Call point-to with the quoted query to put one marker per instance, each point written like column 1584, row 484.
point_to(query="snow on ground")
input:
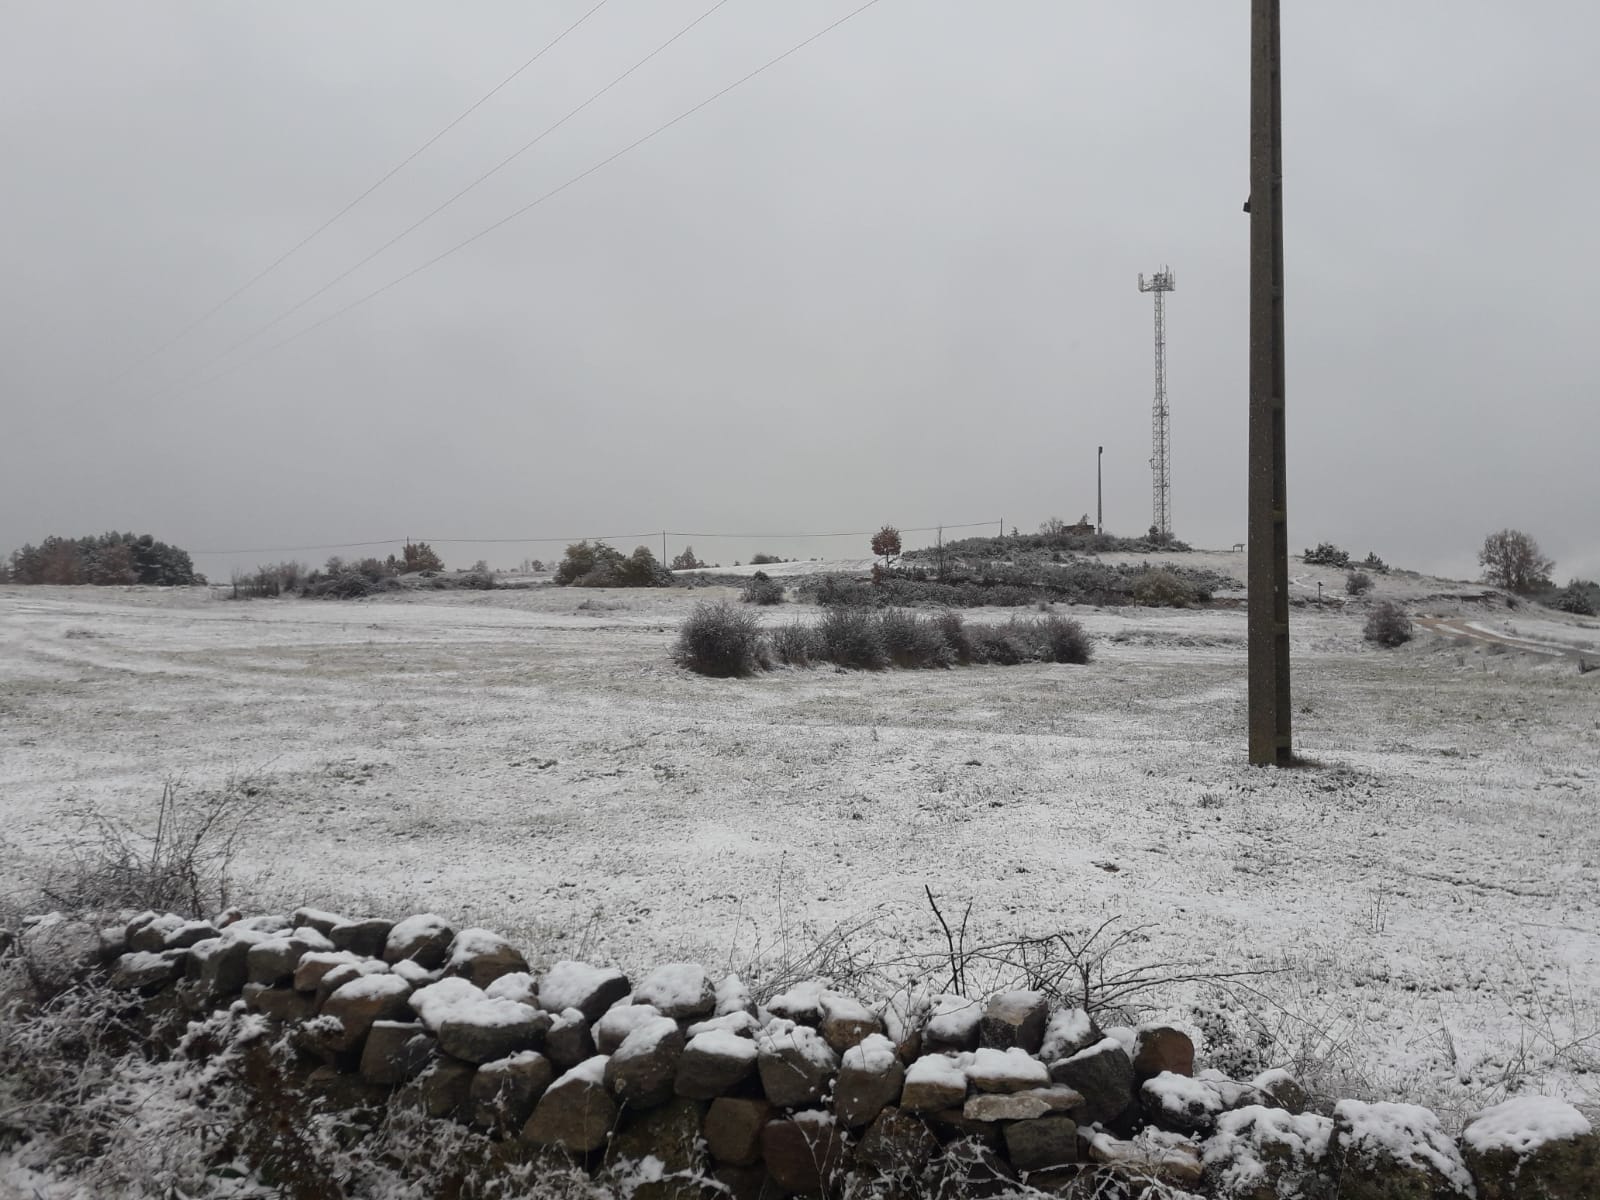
column 1429, row 893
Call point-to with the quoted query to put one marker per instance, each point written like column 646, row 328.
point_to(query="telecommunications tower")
column 1160, row 283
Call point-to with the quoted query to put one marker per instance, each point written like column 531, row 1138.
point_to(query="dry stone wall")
column 813, row 1092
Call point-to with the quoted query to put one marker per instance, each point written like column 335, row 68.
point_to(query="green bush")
column 852, row 636
column 721, row 640
column 1327, row 555
column 595, row 564
column 762, row 589
column 1388, row 625
column 1578, row 597
column 795, row 644
column 1164, row 589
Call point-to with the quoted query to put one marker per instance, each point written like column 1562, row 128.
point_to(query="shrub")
column 640, row 569
column 795, row 644
column 759, row 560
column 995, row 644
column 762, row 589
column 585, row 558
column 953, row 629
column 852, row 636
column 911, row 641
column 1577, row 597
column 720, row 640
column 687, row 561
column 419, row 556
column 1066, row 640
column 1327, row 555
column 598, row 565
column 1163, row 589
column 1373, row 563
column 836, row 589
column 1388, row 625
column 1358, row 583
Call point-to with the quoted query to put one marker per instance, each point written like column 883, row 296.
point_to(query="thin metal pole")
column 1099, row 491
column 1271, row 741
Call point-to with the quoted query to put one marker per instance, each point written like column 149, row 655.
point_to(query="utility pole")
column 1271, row 742
column 1099, row 491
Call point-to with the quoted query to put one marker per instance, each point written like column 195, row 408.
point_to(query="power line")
column 605, row 537
column 532, row 204
column 425, row 218
column 382, row 179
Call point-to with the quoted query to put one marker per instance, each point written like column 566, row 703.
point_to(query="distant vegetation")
column 1012, row 585
column 105, row 559
column 595, row 564
column 722, row 640
column 1512, row 560
column 355, row 579
column 762, row 589
column 1388, row 625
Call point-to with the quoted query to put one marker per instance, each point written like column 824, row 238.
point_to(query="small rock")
column 312, row 968
column 1278, row 1087
column 280, row 1003
column 1533, row 1146
column 803, row 1153
column 679, row 990
column 1069, row 1031
column 492, row 1029
column 1014, row 1019
column 144, row 969
column 504, row 1092
column 357, row 1004
column 741, row 1183
column 590, row 990
column 870, row 1079
column 481, row 957
column 953, row 1023
column 425, row 938
column 734, row 997
column 713, row 1064
column 568, row 1041
column 1261, row 1152
column 1181, row 1104
column 1162, row 1048
column 220, row 965
column 897, row 1144
column 645, row 1067
column 396, row 1052
column 366, row 938
column 148, row 933
column 1021, row 1106
column 576, row 1112
column 801, row 1004
column 1103, row 1075
column 444, row 1089
column 314, row 918
column 1042, row 1143
column 669, row 1133
column 845, row 1022
column 933, row 1083
column 520, row 986
column 273, row 961
column 1379, row 1151
column 796, row 1065
column 733, row 1129
column 1011, row 1070
column 612, row 1029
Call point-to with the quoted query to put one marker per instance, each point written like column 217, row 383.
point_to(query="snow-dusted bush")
column 1358, row 583
column 1163, row 589
column 794, row 645
column 1327, row 555
column 762, row 589
column 1388, row 625
column 720, row 640
column 852, row 636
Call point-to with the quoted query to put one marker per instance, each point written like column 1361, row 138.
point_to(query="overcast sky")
column 891, row 279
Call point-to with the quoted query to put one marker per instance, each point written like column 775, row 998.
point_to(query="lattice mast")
column 1160, row 283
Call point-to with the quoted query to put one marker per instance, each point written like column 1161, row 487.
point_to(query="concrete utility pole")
column 1099, row 491
column 1270, row 736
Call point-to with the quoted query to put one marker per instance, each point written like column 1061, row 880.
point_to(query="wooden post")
column 1271, row 741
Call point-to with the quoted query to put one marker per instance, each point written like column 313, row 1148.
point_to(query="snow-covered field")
column 1428, row 895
